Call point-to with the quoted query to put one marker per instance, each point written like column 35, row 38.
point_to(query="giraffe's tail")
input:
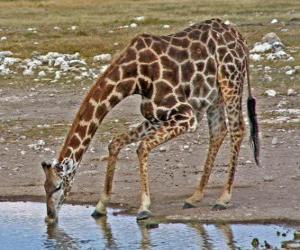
column 254, row 136
column 254, row 130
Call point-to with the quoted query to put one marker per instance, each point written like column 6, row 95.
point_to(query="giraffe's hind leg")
column 167, row 130
column 217, row 132
column 114, row 148
column 232, row 94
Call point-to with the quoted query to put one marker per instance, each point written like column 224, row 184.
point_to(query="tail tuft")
column 254, row 137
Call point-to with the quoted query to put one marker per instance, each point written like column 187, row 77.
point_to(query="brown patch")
column 114, row 100
column 228, row 37
column 159, row 47
column 125, row 87
column 97, row 94
column 169, row 101
column 184, row 43
column 106, row 92
column 67, row 154
column 187, row 71
column 198, row 51
column 228, row 58
column 151, row 71
column 115, row 74
column 200, row 66
column 81, row 130
column 161, row 114
column 147, row 56
column 221, row 53
column 145, row 88
column 147, row 110
column 204, row 37
column 79, row 154
column 187, row 91
column 198, row 80
column 194, row 35
column 210, row 67
column 86, row 142
column 178, row 55
column 74, row 142
column 162, row 89
column 180, row 34
column 129, row 70
column 171, row 77
column 88, row 112
column 180, row 93
column 211, row 46
column 129, row 55
column 140, row 44
column 148, row 41
column 92, row 128
column 101, row 112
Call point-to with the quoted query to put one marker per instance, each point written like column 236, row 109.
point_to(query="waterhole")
column 22, row 226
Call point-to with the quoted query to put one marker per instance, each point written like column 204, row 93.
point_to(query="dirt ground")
column 267, row 193
column 35, row 115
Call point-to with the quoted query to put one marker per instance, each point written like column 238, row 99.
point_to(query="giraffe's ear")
column 45, row 165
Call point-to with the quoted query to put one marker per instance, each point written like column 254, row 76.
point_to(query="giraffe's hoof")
column 97, row 215
column 143, row 215
column 218, row 207
column 187, row 205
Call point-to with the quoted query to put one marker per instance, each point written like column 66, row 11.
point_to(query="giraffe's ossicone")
column 182, row 76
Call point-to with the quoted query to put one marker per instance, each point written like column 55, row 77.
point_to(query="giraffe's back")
column 183, row 67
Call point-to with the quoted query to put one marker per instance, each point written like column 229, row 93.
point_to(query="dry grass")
column 95, row 18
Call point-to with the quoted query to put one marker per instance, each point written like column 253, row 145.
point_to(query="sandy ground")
column 267, row 193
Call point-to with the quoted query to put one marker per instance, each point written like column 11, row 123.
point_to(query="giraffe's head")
column 57, row 186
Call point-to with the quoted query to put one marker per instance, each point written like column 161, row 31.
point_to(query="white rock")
column 4, row 71
column 42, row 74
column 270, row 92
column 291, row 59
column 268, row 78
column 284, row 30
column 290, row 72
column 103, row 68
column 102, row 58
column 274, row 141
column 77, row 78
column 261, row 48
column 57, row 75
column 166, row 26
column 227, row 22
column 268, row 178
column 74, row 27
column 56, row 28
column 28, row 72
column 3, row 38
column 5, row 53
column 23, row 152
column 271, row 38
column 163, row 149
column 274, row 21
column 291, row 92
column 255, row 57
column 133, row 25
column 139, row 18
column 186, row 147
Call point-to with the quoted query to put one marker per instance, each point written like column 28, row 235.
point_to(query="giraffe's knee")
column 114, row 147
column 142, row 150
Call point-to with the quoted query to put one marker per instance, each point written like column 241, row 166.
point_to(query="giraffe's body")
column 180, row 77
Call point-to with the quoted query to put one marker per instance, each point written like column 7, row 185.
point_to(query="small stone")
column 163, row 149
column 274, row 141
column 270, row 92
column 139, row 18
column 23, row 152
column 274, row 21
column 3, row 38
column 271, row 38
column 186, row 147
column 74, row 27
column 166, row 26
column 268, row 179
column 102, row 58
column 290, row 244
column 255, row 57
column 42, row 74
column 296, row 177
column 248, row 162
column 290, row 72
column 291, row 92
column 133, row 25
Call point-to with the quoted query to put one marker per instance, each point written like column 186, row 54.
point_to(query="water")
column 22, row 227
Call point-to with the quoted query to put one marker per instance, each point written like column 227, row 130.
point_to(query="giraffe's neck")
column 107, row 92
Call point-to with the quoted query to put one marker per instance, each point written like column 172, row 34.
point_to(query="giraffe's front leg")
column 114, row 148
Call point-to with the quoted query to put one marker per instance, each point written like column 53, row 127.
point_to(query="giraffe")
column 180, row 77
